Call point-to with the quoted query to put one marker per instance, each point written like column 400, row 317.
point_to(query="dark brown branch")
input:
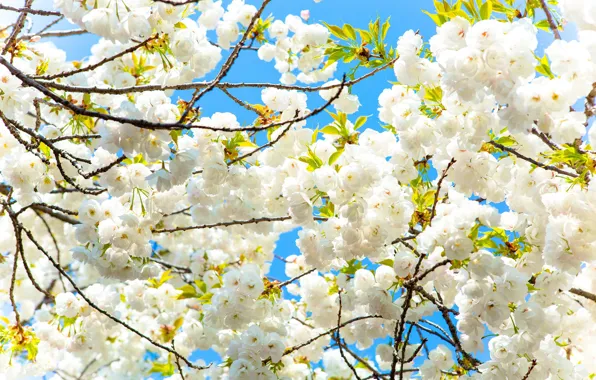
column 338, row 338
column 313, row 113
column 56, row 246
column 551, row 22
column 170, row 265
column 139, row 123
column 8, row 44
column 47, row 294
column 38, row 12
column 228, row 64
column 48, row 26
column 433, row 332
column 360, row 360
column 545, row 139
column 225, row 224
column 425, row 341
column 583, row 293
column 399, row 325
column 434, row 208
column 282, row 284
column 330, row 331
column 55, row 33
column 193, row 85
column 532, row 366
column 438, row 327
column 74, row 137
column 14, row 277
column 590, row 105
column 178, row 363
column 241, row 103
column 177, row 2
column 453, row 331
column 5, row 190
column 98, row 64
column 532, row 161
column 427, row 272
column 402, row 359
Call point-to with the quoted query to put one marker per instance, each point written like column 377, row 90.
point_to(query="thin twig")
column 434, row 208
column 532, row 366
column 38, row 12
column 198, row 85
column 330, row 331
column 282, row 284
column 531, row 160
column 338, row 338
column 100, row 63
column 17, row 28
column 225, row 68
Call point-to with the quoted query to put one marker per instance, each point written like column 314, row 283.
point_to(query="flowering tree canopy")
column 137, row 228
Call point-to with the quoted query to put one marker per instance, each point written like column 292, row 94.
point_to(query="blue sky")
column 405, row 15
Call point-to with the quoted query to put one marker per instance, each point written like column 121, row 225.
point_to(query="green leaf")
column 247, row 144
column 334, row 57
column 165, row 276
column 352, row 267
column 560, row 344
column 66, row 322
column 45, row 150
column 336, row 31
column 188, row 291
column 308, row 160
column 365, row 36
column 206, row 298
column 486, row 10
column 42, row 67
column 335, row 156
column 328, row 210
column 498, row 7
column 473, row 235
column 174, row 135
column 201, row 285
column 313, row 138
column 360, row 122
column 385, row 29
column 349, row 31
column 544, row 67
column 331, row 130
column 506, row 141
column 435, row 17
column 440, row 6
column 543, row 24
column 387, row 262
column 350, row 58
column 375, row 26
column 333, row 289
column 178, row 323
column 389, row 128
column 165, row 369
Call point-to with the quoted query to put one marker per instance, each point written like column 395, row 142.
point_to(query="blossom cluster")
column 140, row 230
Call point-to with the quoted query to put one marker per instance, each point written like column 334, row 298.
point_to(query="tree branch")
column 531, row 160
column 551, row 22
column 583, row 293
